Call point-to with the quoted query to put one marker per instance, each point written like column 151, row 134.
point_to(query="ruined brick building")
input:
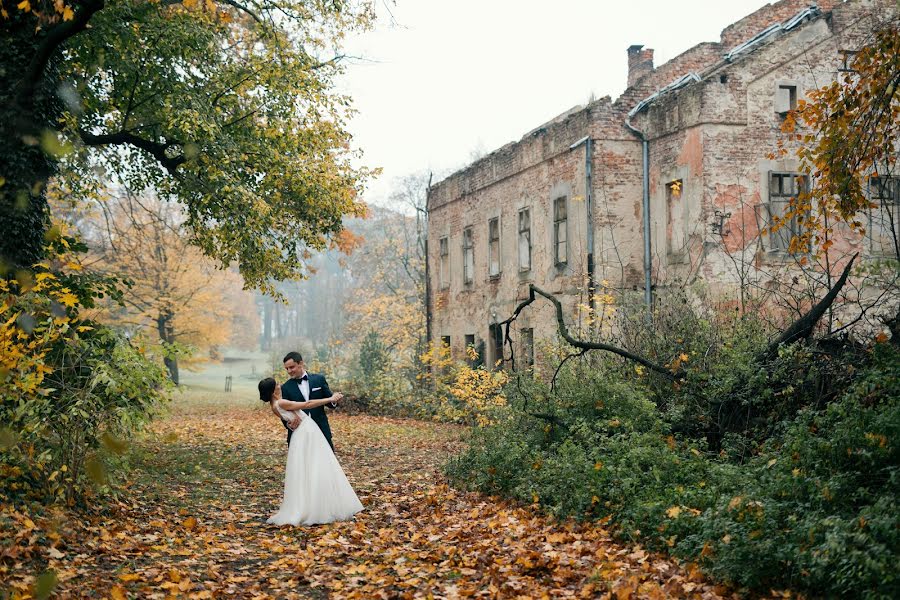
column 668, row 181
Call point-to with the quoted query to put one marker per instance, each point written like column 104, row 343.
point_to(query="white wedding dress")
column 315, row 488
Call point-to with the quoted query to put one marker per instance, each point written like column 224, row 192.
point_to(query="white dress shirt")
column 304, row 386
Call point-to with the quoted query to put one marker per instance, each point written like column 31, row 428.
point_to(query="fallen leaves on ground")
column 191, row 524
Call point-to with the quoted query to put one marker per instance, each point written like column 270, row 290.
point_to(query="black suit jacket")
column 318, row 389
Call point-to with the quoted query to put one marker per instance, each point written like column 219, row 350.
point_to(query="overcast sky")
column 444, row 80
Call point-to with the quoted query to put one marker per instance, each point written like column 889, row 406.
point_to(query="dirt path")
column 192, row 524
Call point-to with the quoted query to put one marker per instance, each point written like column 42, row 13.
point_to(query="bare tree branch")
column 155, row 149
column 585, row 345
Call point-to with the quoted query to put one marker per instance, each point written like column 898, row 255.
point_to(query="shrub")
column 71, row 389
column 811, row 503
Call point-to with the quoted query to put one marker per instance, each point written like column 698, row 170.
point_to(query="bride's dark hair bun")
column 266, row 389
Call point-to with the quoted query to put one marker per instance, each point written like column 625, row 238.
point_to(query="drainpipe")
column 648, row 263
column 589, row 203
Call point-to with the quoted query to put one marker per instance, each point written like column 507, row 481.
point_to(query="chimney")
column 640, row 62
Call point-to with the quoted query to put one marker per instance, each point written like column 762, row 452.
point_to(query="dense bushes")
column 71, row 389
column 801, row 494
column 435, row 387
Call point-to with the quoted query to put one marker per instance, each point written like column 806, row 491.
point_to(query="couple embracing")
column 315, row 488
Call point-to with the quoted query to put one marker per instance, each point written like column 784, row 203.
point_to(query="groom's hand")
column 295, row 422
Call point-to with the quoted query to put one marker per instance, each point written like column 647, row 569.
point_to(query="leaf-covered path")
column 192, row 524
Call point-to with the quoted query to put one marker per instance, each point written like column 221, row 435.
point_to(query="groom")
column 303, row 387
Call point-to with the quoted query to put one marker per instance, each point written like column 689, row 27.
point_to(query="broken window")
column 884, row 219
column 496, row 335
column 528, row 347
column 494, row 247
column 783, row 187
column 471, row 351
column 468, row 256
column 444, row 263
column 560, row 223
column 525, row 239
column 676, row 241
column 847, row 58
column 445, row 344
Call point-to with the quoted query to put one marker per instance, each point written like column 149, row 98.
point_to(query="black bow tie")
column 304, row 378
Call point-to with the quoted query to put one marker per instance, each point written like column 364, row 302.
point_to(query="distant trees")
column 175, row 293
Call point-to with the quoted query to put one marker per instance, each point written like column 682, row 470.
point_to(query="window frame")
column 893, row 213
column 470, row 343
column 675, row 254
column 494, row 261
column 468, row 252
column 526, row 233
column 527, row 334
column 495, row 334
column 774, row 238
column 444, row 263
column 560, row 223
column 784, row 105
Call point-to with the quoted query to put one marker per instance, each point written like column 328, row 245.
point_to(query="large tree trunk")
column 30, row 108
column 25, row 121
column 166, row 330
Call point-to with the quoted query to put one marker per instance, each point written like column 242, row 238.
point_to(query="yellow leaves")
column 673, row 512
column 878, row 439
column 598, row 465
column 416, row 537
column 68, row 13
column 117, row 592
column 675, row 188
column 24, row 6
column 67, row 299
column 190, row 523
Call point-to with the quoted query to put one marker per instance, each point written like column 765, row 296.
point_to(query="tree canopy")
column 846, row 138
column 228, row 108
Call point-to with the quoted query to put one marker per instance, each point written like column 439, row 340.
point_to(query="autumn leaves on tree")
column 227, row 109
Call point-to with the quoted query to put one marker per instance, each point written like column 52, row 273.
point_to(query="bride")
column 315, row 488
